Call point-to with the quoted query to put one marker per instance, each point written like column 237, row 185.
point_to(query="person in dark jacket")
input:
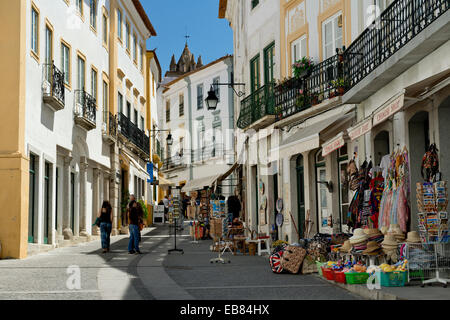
column 133, row 218
column 234, row 206
column 105, row 216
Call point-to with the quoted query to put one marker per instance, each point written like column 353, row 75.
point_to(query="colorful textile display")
column 394, row 206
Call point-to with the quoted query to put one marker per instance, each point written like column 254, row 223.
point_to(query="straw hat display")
column 347, row 246
column 359, row 236
column 384, row 230
column 373, row 232
column 413, row 237
column 394, row 230
column 389, row 242
column 373, row 248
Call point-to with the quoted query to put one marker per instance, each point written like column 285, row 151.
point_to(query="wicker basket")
column 309, row 265
column 293, row 258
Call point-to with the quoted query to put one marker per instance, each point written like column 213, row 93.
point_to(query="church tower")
column 186, row 63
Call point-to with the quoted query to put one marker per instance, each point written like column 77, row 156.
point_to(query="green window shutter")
column 269, row 53
column 254, row 74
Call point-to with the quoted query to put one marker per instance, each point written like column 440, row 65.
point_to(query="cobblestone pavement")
column 155, row 274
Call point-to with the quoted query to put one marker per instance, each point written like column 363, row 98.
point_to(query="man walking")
column 166, row 207
column 133, row 218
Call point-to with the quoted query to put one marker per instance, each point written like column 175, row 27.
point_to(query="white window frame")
column 298, row 42
column 333, row 35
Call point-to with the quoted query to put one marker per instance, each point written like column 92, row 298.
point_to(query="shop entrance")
column 32, row 199
column 256, row 201
column 47, row 200
column 322, row 191
column 444, row 133
column 72, row 202
column 381, row 146
column 344, row 197
column 419, row 141
column 300, row 194
column 275, row 198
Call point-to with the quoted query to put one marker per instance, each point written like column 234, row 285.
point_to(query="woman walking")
column 105, row 216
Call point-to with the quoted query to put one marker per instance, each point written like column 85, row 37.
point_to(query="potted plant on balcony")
column 339, row 86
column 303, row 100
column 303, row 67
column 281, row 84
column 315, row 99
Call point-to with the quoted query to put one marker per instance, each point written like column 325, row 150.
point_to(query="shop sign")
column 360, row 129
column 332, row 145
column 390, row 109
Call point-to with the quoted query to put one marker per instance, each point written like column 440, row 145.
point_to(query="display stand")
column 175, row 237
column 221, row 252
column 194, row 224
column 176, row 215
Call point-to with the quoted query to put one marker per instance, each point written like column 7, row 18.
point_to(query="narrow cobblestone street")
column 155, row 274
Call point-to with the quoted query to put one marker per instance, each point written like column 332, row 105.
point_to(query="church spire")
column 173, row 64
column 199, row 62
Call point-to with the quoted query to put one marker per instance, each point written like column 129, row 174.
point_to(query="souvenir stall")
column 391, row 253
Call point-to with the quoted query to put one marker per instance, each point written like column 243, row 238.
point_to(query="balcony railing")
column 134, row 134
column 396, row 26
column 110, row 125
column 53, row 86
column 256, row 106
column 208, row 152
column 85, row 110
column 174, row 162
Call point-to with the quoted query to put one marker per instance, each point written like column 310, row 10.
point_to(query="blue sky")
column 211, row 37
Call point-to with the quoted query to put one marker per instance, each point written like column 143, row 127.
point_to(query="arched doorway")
column 381, row 146
column 419, row 141
column 300, row 193
column 444, row 135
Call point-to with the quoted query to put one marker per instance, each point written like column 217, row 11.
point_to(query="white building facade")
column 71, row 131
column 203, row 140
column 300, row 149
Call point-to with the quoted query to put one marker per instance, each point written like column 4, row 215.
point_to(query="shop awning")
column 333, row 144
column 164, row 183
column 134, row 163
column 200, row 184
column 308, row 138
column 229, row 172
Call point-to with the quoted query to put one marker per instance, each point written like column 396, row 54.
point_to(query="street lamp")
column 212, row 99
column 169, row 140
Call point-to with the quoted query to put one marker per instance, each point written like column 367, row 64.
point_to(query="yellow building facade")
column 105, row 80
column 13, row 161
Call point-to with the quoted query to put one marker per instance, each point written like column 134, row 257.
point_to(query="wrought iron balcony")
column 321, row 83
column 208, row 152
column 396, row 27
column 135, row 135
column 175, row 162
column 109, row 128
column 85, row 110
column 258, row 107
column 53, row 90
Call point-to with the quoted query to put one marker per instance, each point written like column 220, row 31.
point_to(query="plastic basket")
column 356, row 277
column 328, row 273
column 340, row 277
column 319, row 267
column 393, row 279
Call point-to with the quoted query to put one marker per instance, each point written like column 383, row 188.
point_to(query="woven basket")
column 293, row 258
column 309, row 265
